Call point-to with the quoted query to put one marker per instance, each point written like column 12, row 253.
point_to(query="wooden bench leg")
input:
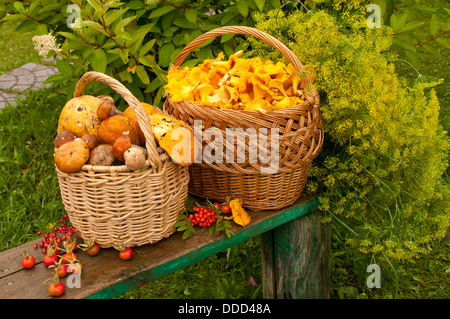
column 296, row 260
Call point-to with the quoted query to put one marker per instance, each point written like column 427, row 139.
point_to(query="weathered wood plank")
column 296, row 260
column 106, row 276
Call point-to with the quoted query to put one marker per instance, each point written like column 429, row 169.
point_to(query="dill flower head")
column 45, row 43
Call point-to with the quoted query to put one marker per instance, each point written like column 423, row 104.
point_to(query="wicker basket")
column 300, row 139
column 111, row 204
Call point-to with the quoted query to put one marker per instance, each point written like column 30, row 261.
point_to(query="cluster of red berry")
column 59, row 234
column 202, row 216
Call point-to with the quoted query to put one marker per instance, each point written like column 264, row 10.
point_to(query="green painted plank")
column 219, row 245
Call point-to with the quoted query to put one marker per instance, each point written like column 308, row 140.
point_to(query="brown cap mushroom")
column 107, row 109
column 102, row 155
column 90, row 140
column 63, row 137
column 71, row 156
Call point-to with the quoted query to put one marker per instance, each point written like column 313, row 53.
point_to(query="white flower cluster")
column 45, row 43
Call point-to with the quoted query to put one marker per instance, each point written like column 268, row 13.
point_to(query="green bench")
column 295, row 252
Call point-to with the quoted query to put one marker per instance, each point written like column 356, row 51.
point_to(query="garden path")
column 17, row 82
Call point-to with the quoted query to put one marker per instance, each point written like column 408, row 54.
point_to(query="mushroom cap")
column 135, row 158
column 79, row 115
column 114, row 126
column 71, row 156
column 102, row 155
column 129, row 113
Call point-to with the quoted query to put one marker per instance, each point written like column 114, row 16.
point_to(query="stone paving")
column 18, row 81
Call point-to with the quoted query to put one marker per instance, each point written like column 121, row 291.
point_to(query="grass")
column 30, row 201
column 29, row 193
column 15, row 50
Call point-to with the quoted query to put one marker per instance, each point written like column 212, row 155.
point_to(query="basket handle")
column 287, row 53
column 133, row 102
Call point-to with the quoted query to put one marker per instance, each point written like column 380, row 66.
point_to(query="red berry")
column 28, row 261
column 39, row 233
column 126, row 254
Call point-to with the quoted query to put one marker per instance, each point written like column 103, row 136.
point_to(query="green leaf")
column 136, row 91
column 98, row 61
column 27, row 25
column 182, row 222
column 69, row 35
column 147, row 47
column 407, row 45
column 139, row 35
column 191, row 15
column 13, row 17
column 125, row 76
column 435, row 24
column 398, row 21
column 135, row 4
column 423, row 7
column 64, row 67
column 19, row 7
column 435, row 53
column 164, row 54
column 156, row 83
column 260, row 4
column 123, row 23
column 41, row 29
column 113, row 15
column 413, row 57
column 186, row 234
column 142, row 74
column 182, row 22
column 411, row 26
column 161, row 11
column 94, row 4
column 443, row 42
column 242, row 7
column 226, row 37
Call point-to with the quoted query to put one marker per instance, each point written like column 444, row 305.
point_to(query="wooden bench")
column 295, row 259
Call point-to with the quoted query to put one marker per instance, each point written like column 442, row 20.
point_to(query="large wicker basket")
column 113, row 205
column 300, row 139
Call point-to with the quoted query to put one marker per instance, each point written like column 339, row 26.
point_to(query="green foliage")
column 134, row 41
column 381, row 171
column 415, row 24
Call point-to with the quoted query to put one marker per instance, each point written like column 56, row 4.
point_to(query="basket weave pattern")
column 300, row 139
column 111, row 204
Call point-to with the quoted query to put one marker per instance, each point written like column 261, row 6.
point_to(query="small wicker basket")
column 300, row 139
column 111, row 204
